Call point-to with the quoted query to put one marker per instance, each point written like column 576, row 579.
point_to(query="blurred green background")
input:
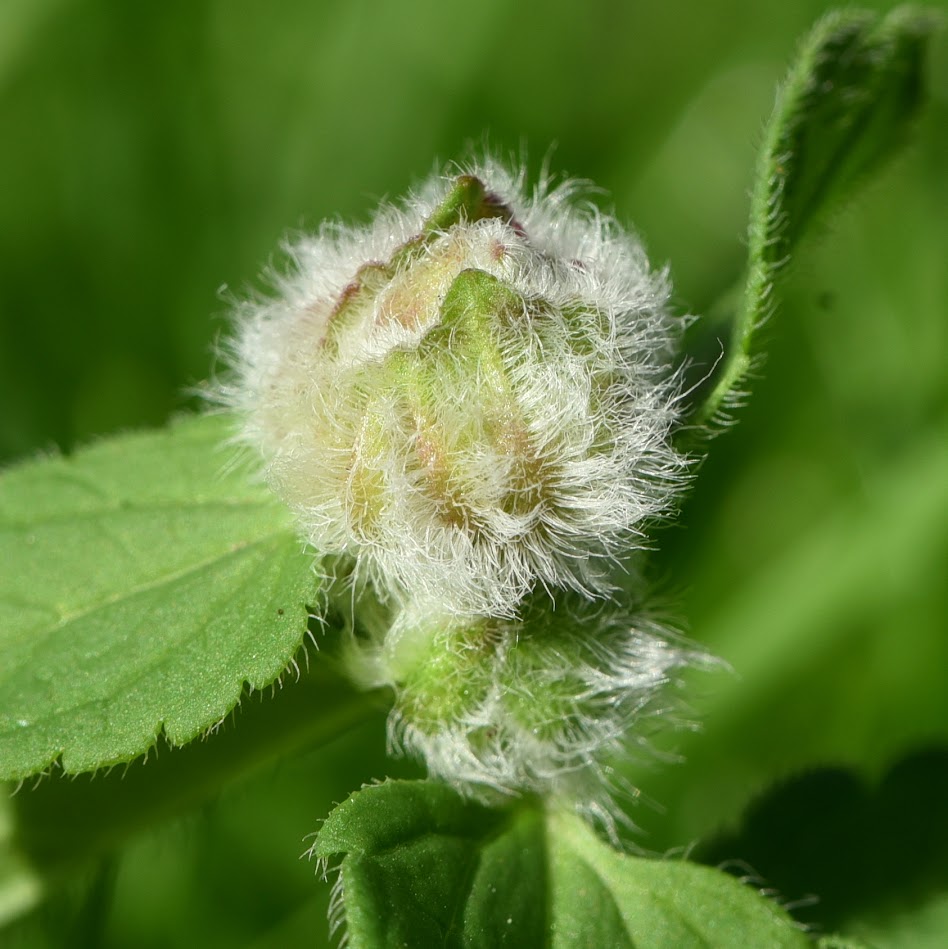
column 155, row 154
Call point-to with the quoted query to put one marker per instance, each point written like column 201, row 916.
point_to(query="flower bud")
column 538, row 704
column 470, row 397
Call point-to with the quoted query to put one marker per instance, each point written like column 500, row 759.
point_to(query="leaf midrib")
column 165, row 579
column 127, row 682
column 35, row 524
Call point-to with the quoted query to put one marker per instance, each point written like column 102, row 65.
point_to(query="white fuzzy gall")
column 471, row 397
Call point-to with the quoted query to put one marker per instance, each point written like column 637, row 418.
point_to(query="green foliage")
column 855, row 86
column 158, row 150
column 423, row 867
column 147, row 580
column 830, row 832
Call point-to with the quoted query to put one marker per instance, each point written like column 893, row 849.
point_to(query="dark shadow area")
column 856, row 848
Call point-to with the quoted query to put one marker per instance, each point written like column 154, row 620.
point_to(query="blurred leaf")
column 21, row 887
column 842, row 110
column 146, row 580
column 830, row 834
column 20, row 21
column 422, row 866
column 922, row 926
column 822, row 633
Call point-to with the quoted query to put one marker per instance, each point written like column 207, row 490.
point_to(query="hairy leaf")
column 843, row 109
column 422, row 866
column 146, row 579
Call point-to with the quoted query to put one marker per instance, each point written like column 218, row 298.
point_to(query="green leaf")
column 423, row 866
column 146, row 580
column 51, row 833
column 843, row 109
column 60, row 822
column 831, row 832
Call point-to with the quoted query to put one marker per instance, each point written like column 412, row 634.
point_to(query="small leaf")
column 422, row 866
column 843, row 109
column 145, row 580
